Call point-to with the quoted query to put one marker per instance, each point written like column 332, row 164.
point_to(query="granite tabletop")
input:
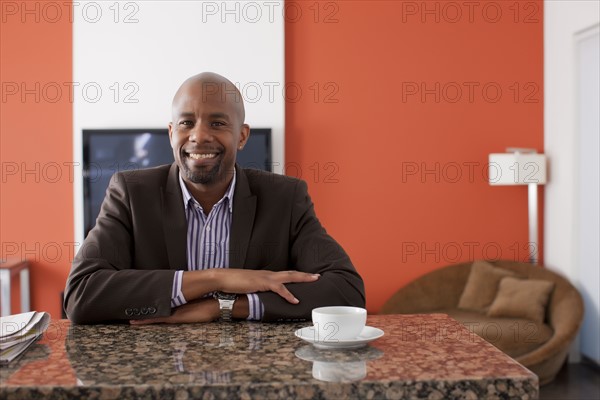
column 419, row 357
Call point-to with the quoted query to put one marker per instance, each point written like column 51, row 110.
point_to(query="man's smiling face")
column 206, row 131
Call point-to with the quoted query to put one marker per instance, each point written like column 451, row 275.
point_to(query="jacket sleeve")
column 103, row 284
column 313, row 250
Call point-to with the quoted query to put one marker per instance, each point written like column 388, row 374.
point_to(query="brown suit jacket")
column 125, row 267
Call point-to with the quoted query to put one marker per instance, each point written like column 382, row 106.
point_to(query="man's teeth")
column 201, row 156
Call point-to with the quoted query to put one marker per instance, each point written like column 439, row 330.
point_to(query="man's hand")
column 232, row 280
column 251, row 281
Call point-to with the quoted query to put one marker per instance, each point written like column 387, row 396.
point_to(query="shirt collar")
column 187, row 196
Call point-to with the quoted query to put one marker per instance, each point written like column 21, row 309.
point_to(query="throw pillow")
column 522, row 298
column 482, row 286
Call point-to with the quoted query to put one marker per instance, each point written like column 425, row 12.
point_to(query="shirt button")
column 208, row 228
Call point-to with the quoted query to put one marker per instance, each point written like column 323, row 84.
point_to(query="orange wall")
column 396, row 220
column 36, row 213
column 355, row 131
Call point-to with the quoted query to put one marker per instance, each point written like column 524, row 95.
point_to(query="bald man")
column 203, row 239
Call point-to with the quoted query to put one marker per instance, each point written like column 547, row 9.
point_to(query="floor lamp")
column 521, row 167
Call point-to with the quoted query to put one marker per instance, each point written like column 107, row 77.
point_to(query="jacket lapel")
column 174, row 221
column 244, row 210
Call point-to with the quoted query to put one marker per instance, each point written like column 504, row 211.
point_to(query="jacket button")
column 129, row 312
column 152, row 310
column 136, row 311
column 144, row 311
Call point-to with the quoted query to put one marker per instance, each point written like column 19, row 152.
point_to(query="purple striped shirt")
column 208, row 242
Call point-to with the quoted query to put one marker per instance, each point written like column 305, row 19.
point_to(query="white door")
column 571, row 145
column 588, row 157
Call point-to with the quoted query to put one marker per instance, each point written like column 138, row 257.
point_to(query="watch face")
column 226, row 296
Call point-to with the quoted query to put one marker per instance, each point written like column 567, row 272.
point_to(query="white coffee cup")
column 338, row 323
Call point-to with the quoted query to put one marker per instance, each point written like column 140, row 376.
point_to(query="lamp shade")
column 517, row 168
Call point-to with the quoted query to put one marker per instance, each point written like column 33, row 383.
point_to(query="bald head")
column 210, row 86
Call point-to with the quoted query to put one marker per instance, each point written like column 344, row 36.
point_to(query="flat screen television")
column 107, row 151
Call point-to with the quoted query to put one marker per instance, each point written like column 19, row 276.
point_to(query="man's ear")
column 170, row 126
column 244, row 136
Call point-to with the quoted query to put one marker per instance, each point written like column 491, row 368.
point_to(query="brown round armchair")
column 542, row 346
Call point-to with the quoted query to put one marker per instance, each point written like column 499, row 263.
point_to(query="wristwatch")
column 226, row 301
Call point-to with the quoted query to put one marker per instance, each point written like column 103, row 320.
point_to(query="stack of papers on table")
column 19, row 331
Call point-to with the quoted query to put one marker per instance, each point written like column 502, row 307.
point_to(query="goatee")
column 202, row 177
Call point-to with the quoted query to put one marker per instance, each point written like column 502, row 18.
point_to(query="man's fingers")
column 291, row 277
column 286, row 294
column 296, row 276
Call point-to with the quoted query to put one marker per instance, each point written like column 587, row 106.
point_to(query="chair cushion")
column 482, row 286
column 514, row 336
column 521, row 298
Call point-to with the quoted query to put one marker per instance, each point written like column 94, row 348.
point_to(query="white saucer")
column 367, row 335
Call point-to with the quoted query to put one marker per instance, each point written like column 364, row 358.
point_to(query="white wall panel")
column 587, row 232
column 130, row 57
column 563, row 21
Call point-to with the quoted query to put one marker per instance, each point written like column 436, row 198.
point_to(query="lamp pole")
column 533, row 222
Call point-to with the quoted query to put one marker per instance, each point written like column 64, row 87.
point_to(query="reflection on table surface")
column 335, row 365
